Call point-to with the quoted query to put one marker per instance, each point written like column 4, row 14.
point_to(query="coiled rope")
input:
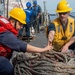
column 47, row 63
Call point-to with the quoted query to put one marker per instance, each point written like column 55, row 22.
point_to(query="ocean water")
column 72, row 14
column 53, row 16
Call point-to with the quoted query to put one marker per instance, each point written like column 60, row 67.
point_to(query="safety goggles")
column 64, row 13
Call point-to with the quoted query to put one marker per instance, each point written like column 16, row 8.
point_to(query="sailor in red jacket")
column 9, row 42
column 6, row 26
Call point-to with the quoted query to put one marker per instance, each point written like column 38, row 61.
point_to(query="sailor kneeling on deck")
column 62, row 29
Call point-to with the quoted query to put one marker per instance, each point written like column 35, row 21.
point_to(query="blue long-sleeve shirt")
column 10, row 40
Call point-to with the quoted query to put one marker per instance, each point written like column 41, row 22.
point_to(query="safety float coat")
column 62, row 37
column 4, row 26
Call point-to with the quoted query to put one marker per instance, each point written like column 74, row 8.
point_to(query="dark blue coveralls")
column 29, row 13
column 36, row 10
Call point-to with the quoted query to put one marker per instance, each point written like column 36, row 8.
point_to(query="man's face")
column 34, row 4
column 63, row 16
column 28, row 6
column 18, row 25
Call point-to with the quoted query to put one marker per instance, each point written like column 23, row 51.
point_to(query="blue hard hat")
column 28, row 4
column 35, row 2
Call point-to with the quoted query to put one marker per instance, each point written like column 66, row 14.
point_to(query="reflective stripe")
column 70, row 27
column 58, row 29
column 4, row 20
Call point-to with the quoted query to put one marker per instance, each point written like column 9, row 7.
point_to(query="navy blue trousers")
column 6, row 67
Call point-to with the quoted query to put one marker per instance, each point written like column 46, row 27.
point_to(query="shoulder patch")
column 4, row 20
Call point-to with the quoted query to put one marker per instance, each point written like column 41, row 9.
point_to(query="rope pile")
column 47, row 63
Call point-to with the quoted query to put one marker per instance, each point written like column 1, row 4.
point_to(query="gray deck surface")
column 40, row 40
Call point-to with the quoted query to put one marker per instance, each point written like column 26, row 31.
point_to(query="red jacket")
column 4, row 26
